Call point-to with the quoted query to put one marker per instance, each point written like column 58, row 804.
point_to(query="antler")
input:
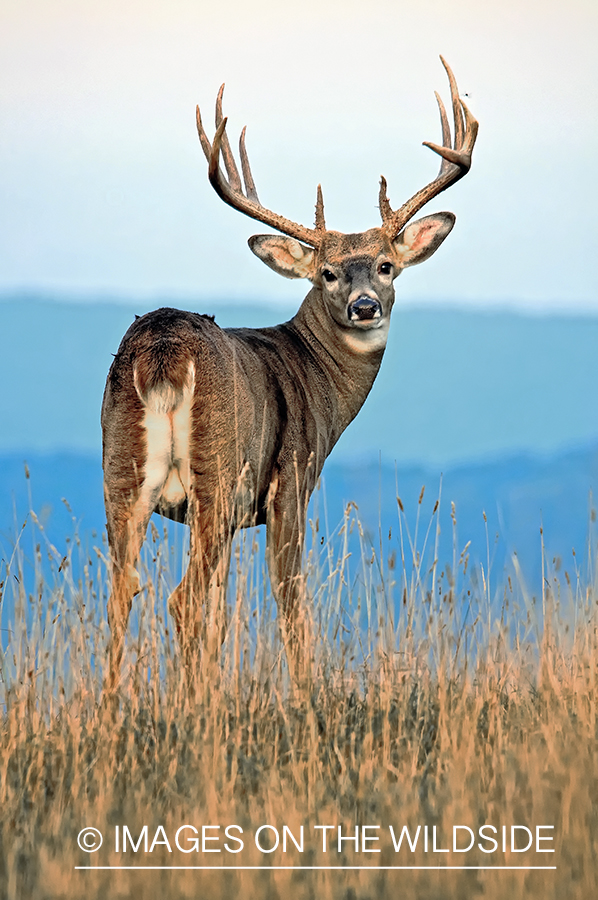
column 456, row 161
column 231, row 191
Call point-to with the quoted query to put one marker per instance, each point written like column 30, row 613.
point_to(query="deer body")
column 227, row 428
column 251, row 400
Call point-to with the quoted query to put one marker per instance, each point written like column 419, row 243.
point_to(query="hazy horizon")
column 281, row 306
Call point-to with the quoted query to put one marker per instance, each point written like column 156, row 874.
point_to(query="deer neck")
column 350, row 364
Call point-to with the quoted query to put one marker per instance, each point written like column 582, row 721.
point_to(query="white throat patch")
column 367, row 339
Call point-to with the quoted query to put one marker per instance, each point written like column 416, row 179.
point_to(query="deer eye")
column 385, row 268
column 328, row 276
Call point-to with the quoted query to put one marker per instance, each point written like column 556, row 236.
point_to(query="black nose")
column 364, row 308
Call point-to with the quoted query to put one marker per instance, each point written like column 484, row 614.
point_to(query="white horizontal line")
column 287, row 868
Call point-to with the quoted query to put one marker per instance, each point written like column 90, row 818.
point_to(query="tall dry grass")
column 438, row 697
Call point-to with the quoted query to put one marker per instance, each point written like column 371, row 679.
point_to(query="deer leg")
column 126, row 533
column 284, row 550
column 198, row 604
column 217, row 618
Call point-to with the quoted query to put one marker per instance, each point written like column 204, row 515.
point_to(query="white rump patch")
column 167, row 423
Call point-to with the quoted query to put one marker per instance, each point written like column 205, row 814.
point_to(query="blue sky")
column 104, row 193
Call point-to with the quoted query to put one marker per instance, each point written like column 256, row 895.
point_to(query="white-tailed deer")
column 227, row 428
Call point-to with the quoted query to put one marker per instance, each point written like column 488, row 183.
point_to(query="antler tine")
column 227, row 154
column 456, row 102
column 471, row 131
column 247, row 176
column 203, row 138
column 383, row 202
column 320, row 221
column 456, row 161
column 446, row 132
column 231, row 190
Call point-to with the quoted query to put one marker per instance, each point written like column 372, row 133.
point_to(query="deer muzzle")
column 364, row 309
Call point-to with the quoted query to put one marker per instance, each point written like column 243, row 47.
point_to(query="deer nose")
column 364, row 308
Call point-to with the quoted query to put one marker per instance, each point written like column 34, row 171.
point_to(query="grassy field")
column 439, row 696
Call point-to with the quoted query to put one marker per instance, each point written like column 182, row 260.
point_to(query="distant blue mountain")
column 454, row 385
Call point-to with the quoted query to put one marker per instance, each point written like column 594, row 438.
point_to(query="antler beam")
column 456, row 161
column 231, row 190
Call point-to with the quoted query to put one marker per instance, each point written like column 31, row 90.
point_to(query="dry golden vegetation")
column 435, row 698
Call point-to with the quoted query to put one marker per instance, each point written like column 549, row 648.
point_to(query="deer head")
column 353, row 273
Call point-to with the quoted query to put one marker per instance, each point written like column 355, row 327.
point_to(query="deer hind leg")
column 128, row 514
column 125, row 547
column 198, row 604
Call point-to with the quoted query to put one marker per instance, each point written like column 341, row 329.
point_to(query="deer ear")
column 422, row 238
column 283, row 254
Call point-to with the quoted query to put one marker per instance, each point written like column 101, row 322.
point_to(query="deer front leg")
column 284, row 551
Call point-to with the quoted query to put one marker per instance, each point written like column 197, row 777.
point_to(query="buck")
column 229, row 428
